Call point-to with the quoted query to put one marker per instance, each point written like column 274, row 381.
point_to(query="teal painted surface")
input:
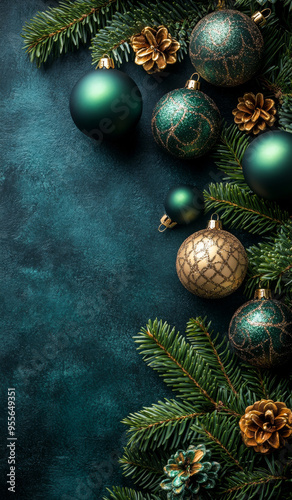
column 83, row 267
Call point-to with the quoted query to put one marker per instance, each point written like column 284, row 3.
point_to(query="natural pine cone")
column 254, row 113
column 155, row 48
column 266, row 425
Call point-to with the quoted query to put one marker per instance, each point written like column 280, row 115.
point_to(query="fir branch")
column 221, row 434
column 165, row 423
column 145, row 469
column 230, row 152
column 119, row 493
column 244, row 485
column 270, row 262
column 181, row 367
column 180, row 17
column 243, row 210
column 63, row 28
column 199, row 334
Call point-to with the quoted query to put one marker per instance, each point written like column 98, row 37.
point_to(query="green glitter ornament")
column 105, row 103
column 266, row 165
column 186, row 122
column 183, row 205
column 226, row 47
column 260, row 332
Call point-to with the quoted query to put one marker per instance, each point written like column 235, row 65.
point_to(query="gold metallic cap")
column 262, row 293
column 166, row 222
column 193, row 84
column 260, row 18
column 106, row 62
column 214, row 224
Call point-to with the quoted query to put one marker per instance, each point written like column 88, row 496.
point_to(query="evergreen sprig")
column 145, row 469
column 166, row 423
column 242, row 209
column 66, row 27
column 119, row 493
column 229, row 154
column 270, row 262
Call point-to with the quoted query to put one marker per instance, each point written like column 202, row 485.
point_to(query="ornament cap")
column 214, row 224
column 106, row 62
column 166, row 223
column 193, row 84
column 263, row 293
column 260, row 18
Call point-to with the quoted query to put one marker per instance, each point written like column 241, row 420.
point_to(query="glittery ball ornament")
column 211, row 263
column 226, row 47
column 260, row 331
column 186, row 122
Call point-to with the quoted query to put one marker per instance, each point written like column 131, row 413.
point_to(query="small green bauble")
column 226, row 48
column 184, row 204
column 106, row 103
column 267, row 165
column 186, row 122
column 260, row 332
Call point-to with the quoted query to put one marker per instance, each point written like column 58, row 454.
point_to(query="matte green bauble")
column 186, row 122
column 226, row 48
column 267, row 165
column 106, row 103
column 260, row 332
column 184, row 204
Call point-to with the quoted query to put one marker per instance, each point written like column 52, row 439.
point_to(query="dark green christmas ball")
column 105, row 103
column 267, row 165
column 260, row 332
column 184, row 204
column 186, row 123
column 226, row 48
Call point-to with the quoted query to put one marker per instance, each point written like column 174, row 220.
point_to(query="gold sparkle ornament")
column 212, row 263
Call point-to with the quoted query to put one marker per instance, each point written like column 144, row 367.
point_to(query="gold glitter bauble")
column 211, row 263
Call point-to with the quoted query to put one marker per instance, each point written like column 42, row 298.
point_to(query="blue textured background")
column 83, row 268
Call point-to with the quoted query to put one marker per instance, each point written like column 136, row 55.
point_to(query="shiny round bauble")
column 184, row 204
column 226, row 48
column 267, row 165
column 211, row 263
column 186, row 123
column 260, row 333
column 105, row 103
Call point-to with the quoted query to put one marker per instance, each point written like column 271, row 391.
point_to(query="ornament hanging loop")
column 106, row 62
column 214, row 223
column 166, row 223
column 260, row 18
column 192, row 83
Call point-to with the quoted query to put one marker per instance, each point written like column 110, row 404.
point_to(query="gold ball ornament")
column 211, row 263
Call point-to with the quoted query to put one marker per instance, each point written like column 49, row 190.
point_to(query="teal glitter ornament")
column 106, row 103
column 260, row 332
column 183, row 205
column 266, row 165
column 189, row 472
column 226, row 47
column 186, row 122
